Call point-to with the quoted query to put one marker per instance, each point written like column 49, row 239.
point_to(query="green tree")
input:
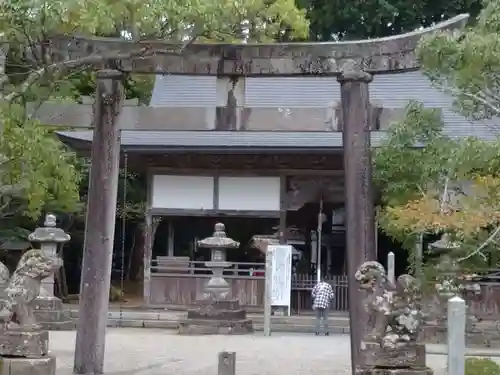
column 338, row 20
column 27, row 25
column 455, row 186
column 181, row 21
column 467, row 64
column 31, row 75
column 48, row 173
column 433, row 184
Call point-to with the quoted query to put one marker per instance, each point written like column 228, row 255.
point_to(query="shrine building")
column 251, row 135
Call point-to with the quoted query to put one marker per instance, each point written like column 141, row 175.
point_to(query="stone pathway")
column 132, row 351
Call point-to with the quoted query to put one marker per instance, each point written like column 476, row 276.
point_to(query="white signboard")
column 281, row 284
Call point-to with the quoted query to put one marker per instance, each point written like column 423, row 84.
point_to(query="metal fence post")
column 268, row 292
column 227, row 363
column 419, row 249
column 456, row 336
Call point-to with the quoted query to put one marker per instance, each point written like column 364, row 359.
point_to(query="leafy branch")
column 450, row 190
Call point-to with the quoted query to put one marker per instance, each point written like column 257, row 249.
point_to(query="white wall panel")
column 183, row 192
column 184, row 91
column 290, row 92
column 249, row 193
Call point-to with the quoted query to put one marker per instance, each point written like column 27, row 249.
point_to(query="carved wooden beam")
column 395, row 53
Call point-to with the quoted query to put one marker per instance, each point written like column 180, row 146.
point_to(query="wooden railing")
column 164, row 265
column 180, row 281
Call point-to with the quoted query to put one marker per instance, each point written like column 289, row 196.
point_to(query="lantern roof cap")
column 219, row 239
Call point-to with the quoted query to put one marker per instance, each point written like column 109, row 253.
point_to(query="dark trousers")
column 321, row 314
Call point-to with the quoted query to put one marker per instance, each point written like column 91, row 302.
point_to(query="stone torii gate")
column 353, row 63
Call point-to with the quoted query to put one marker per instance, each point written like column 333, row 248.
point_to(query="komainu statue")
column 394, row 311
column 23, row 288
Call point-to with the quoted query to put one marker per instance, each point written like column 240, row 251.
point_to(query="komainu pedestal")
column 24, row 344
column 217, row 313
column 408, row 359
column 389, row 345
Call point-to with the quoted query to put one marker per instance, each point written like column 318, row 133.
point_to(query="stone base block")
column 226, row 304
column 373, row 355
column 394, row 371
column 48, row 303
column 217, row 310
column 50, row 314
column 29, row 344
column 215, row 327
column 207, row 314
column 28, row 366
column 482, row 335
column 67, row 325
column 54, row 320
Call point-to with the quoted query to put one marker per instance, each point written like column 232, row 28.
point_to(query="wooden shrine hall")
column 272, row 140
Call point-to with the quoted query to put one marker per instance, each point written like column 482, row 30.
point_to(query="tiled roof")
column 142, row 139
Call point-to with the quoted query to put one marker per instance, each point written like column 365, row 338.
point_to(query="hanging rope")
column 124, row 224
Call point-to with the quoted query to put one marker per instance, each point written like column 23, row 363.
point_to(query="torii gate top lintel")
column 389, row 54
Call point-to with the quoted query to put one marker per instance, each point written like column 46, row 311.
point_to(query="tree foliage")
column 433, row 184
column 467, row 63
column 452, row 185
column 36, row 165
column 37, row 171
column 171, row 20
column 338, row 20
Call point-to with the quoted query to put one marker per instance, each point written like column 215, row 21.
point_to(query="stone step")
column 172, row 324
column 334, row 320
column 169, row 320
column 257, row 326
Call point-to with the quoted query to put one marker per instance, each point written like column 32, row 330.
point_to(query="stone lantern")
column 217, row 287
column 217, row 312
column 448, row 285
column 48, row 308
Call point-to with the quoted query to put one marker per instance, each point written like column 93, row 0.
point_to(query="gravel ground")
column 132, row 351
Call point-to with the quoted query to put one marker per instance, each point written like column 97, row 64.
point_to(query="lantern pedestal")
column 217, row 313
column 216, row 318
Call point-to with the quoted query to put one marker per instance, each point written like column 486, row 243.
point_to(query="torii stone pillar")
column 100, row 225
column 360, row 212
column 49, row 309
